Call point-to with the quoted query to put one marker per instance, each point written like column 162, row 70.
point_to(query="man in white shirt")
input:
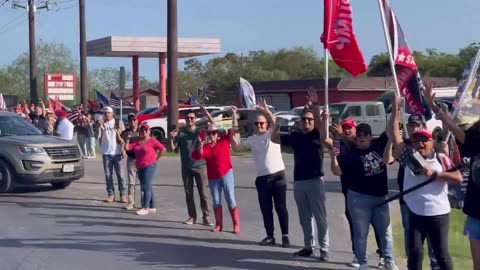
column 64, row 128
column 111, row 145
column 270, row 182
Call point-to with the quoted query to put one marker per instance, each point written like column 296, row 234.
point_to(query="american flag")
column 73, row 113
column 3, row 105
column 115, row 101
column 409, row 80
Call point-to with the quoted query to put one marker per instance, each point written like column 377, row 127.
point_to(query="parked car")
column 159, row 126
column 223, row 119
column 29, row 157
column 159, row 112
column 148, row 110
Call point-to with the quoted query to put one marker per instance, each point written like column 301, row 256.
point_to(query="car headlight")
column 25, row 150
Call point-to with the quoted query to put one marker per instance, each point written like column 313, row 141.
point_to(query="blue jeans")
column 111, row 162
column 310, row 198
column 363, row 212
column 406, row 229
column 145, row 176
column 225, row 183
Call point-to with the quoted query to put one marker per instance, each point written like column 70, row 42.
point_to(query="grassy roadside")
column 459, row 245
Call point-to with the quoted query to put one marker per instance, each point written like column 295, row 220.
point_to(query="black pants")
column 350, row 226
column 436, row 228
column 273, row 187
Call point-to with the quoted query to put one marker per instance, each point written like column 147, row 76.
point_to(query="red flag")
column 94, row 106
column 339, row 39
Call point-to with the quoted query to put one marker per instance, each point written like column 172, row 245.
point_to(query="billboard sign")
column 60, row 86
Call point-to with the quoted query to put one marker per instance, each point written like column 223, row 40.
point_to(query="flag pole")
column 392, row 64
column 326, row 89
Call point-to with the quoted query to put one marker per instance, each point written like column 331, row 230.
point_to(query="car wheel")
column 158, row 134
column 6, row 177
column 61, row 185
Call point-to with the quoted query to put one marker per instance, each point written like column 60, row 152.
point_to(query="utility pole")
column 31, row 8
column 33, row 52
column 172, row 55
column 83, row 55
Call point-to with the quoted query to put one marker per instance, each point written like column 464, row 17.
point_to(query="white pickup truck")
column 369, row 112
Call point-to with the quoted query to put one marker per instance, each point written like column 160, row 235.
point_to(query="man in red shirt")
column 220, row 173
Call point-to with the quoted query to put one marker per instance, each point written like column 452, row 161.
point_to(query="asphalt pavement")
column 47, row 229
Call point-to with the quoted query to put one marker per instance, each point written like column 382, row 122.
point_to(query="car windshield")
column 12, row 125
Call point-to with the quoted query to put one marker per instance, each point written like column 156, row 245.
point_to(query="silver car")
column 29, row 157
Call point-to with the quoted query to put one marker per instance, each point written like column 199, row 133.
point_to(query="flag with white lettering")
column 467, row 98
column 409, row 80
column 247, row 94
column 339, row 39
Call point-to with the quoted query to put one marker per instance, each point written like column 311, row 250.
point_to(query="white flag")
column 247, row 93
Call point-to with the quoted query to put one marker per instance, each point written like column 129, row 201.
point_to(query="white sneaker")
column 143, row 212
column 363, row 267
column 381, row 263
column 354, row 263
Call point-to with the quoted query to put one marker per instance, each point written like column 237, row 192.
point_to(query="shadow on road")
column 168, row 255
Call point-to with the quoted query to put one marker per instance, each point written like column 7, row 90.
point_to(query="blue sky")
column 242, row 26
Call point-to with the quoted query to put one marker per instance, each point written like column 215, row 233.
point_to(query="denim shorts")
column 472, row 228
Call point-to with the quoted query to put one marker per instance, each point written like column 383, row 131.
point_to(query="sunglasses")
column 133, row 119
column 211, row 133
column 260, row 123
column 307, row 119
column 190, row 117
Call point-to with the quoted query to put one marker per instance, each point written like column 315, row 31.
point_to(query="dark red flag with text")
column 339, row 39
column 409, row 80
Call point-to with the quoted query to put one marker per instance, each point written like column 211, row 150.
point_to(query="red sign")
column 63, row 86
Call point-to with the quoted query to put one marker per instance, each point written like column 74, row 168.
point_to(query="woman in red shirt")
column 147, row 151
column 220, row 174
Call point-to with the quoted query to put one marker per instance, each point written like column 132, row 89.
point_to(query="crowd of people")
column 356, row 157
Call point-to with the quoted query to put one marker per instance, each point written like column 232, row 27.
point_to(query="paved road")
column 45, row 229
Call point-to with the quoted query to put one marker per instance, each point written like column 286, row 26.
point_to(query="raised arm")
column 235, row 127
column 388, row 153
column 334, row 166
column 237, row 146
column 42, row 104
column 173, row 136
column 207, row 114
column 394, row 126
column 445, row 117
column 275, row 129
column 317, row 120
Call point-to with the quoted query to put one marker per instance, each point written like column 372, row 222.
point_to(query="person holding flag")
column 469, row 143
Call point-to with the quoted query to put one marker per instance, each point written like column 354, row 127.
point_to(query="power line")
column 10, row 22
column 69, row 7
column 13, row 26
column 4, row 2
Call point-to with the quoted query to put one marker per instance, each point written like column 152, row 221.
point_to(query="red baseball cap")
column 145, row 126
column 423, row 132
column 348, row 123
column 61, row 113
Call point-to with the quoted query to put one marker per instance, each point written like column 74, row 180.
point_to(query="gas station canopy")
column 150, row 47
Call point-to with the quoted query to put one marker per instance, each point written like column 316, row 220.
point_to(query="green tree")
column 51, row 58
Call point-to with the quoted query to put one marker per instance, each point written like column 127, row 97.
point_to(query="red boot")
column 235, row 219
column 218, row 219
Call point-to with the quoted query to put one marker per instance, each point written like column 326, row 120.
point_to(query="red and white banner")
column 339, row 39
column 61, row 86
